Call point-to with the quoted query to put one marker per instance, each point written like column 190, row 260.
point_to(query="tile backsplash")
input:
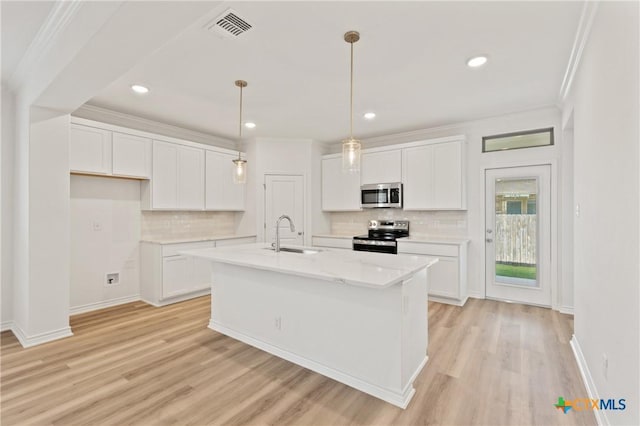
column 423, row 223
column 168, row 225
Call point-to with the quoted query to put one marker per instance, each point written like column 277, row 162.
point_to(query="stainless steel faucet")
column 291, row 226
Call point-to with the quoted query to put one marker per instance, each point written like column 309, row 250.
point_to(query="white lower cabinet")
column 448, row 277
column 177, row 275
column 166, row 276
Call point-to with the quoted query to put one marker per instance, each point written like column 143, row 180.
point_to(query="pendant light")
column 240, row 165
column 351, row 147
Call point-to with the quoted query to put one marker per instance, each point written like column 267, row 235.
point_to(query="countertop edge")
column 196, row 239
column 198, row 253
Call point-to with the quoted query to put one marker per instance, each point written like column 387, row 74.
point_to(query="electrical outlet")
column 605, row 366
column 278, row 323
column 113, row 278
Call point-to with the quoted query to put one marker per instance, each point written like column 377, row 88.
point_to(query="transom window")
column 518, row 140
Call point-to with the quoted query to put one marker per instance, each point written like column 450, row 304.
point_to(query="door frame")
column 554, row 260
column 262, row 231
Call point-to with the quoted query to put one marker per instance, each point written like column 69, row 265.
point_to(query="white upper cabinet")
column 190, row 178
column 340, row 191
column 131, row 156
column 164, row 178
column 381, row 167
column 221, row 193
column 433, row 176
column 447, row 176
column 417, row 170
column 89, row 150
column 177, row 181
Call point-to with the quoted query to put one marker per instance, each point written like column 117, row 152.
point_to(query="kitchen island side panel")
column 357, row 331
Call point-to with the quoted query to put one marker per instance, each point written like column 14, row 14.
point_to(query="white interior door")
column 284, row 194
column 518, row 234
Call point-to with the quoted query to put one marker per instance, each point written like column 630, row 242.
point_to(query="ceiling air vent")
column 229, row 24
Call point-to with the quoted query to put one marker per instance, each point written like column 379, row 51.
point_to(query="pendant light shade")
column 239, row 170
column 351, row 147
column 240, row 165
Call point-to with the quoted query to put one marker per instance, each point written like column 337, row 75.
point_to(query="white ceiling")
column 410, row 67
column 21, row 20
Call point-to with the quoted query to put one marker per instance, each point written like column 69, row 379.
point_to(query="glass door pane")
column 516, row 232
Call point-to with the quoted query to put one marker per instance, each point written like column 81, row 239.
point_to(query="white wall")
column 477, row 163
column 281, row 156
column 48, row 226
column 105, row 235
column 604, row 100
column 8, row 143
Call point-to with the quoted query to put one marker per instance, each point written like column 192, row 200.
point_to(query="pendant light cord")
column 351, row 97
column 240, row 120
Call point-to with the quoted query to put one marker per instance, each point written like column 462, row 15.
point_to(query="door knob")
column 489, row 240
column 299, row 233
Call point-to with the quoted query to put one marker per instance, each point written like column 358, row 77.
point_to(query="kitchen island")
column 357, row 317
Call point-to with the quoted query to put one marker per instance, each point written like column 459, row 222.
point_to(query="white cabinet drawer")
column 343, row 243
column 428, row 249
column 235, row 241
column 175, row 249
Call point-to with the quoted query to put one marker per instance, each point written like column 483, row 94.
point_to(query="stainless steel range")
column 382, row 237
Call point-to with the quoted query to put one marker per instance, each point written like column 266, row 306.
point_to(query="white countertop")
column 434, row 240
column 178, row 240
column 376, row 270
column 410, row 239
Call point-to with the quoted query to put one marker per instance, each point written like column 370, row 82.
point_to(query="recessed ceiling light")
column 250, row 125
column 370, row 115
column 138, row 88
column 477, row 61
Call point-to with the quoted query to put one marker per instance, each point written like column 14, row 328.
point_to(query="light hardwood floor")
column 490, row 363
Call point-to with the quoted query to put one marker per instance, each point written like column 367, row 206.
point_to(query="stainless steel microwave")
column 381, row 195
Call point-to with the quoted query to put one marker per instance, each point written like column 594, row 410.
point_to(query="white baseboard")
column 399, row 399
column 601, row 417
column 566, row 310
column 474, row 295
column 448, row 301
column 103, row 304
column 6, row 325
column 180, row 298
column 37, row 339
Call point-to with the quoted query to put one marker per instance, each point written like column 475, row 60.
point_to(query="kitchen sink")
column 295, row 250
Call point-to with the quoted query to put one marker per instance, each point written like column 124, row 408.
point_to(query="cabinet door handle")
column 489, row 240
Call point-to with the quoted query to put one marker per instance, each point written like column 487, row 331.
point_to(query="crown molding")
column 61, row 14
column 433, row 132
column 589, row 10
column 105, row 115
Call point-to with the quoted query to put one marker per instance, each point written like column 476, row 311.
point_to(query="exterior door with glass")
column 518, row 234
